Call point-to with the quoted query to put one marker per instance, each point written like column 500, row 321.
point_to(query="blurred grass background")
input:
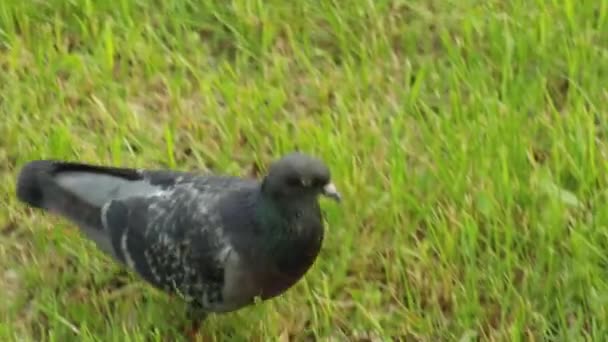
column 468, row 139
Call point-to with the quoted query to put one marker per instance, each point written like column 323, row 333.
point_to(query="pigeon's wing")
column 175, row 239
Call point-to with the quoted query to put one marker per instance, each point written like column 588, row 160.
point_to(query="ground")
column 468, row 140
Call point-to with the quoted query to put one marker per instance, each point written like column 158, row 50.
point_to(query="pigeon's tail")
column 78, row 192
column 38, row 186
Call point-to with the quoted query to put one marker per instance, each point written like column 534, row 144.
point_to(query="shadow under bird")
column 218, row 242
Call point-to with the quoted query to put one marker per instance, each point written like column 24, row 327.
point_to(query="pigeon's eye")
column 294, row 181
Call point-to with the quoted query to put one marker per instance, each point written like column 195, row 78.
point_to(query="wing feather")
column 174, row 240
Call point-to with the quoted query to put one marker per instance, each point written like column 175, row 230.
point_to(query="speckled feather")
column 174, row 238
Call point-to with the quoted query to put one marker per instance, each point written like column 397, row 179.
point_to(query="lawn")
column 469, row 141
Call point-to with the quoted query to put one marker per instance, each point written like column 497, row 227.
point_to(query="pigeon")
column 218, row 242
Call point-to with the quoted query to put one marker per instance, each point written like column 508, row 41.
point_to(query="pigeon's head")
column 298, row 175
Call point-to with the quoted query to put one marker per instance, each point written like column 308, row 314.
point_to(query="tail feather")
column 37, row 186
column 31, row 181
column 77, row 192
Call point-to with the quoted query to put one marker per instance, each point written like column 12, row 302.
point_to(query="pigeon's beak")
column 330, row 191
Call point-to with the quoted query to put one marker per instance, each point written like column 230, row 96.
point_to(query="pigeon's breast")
column 291, row 262
column 268, row 276
column 272, row 255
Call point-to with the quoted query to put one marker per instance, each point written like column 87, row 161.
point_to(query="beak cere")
column 330, row 191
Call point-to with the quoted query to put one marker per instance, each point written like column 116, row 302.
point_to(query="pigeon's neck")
column 293, row 232
column 286, row 219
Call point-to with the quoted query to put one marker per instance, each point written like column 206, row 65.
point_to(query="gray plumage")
column 216, row 241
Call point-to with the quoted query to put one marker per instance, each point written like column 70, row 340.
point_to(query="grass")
column 469, row 140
